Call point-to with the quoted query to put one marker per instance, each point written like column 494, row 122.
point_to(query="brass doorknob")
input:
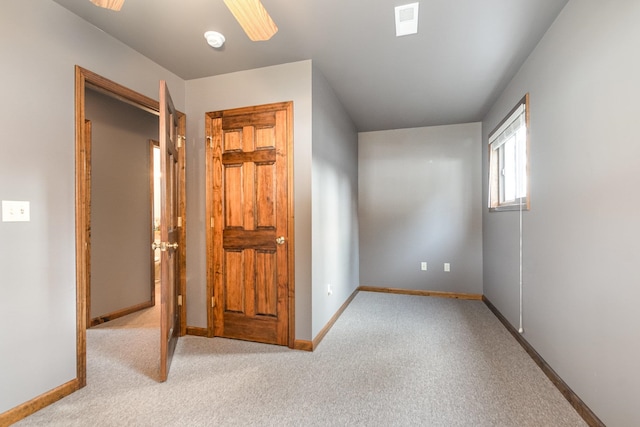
column 164, row 246
column 280, row 240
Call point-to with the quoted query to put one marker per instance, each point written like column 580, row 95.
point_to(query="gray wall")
column 120, row 203
column 40, row 43
column 287, row 82
column 581, row 236
column 420, row 200
column 335, row 256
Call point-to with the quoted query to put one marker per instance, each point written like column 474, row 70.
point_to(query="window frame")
column 496, row 159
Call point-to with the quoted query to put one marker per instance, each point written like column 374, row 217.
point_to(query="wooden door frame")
column 209, row 168
column 83, row 79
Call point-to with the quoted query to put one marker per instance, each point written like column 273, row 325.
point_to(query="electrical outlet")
column 423, row 266
column 13, row 211
column 447, row 267
column 329, row 290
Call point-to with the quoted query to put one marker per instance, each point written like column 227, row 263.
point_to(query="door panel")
column 266, row 283
column 265, row 195
column 248, row 201
column 234, row 295
column 169, row 233
column 233, row 179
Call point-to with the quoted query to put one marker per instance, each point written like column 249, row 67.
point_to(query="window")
column 509, row 160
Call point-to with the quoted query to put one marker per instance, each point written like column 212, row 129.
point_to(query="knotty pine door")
column 249, row 236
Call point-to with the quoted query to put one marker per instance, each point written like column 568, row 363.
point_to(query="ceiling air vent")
column 407, row 19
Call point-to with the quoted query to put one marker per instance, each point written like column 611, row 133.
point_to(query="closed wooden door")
column 249, row 241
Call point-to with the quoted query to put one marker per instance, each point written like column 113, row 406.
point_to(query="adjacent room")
column 407, row 213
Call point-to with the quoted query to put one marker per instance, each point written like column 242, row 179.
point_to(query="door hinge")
column 179, row 221
column 210, row 141
column 180, row 300
column 180, row 139
column 212, row 222
column 213, row 302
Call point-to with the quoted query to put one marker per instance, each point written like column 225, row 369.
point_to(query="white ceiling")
column 464, row 54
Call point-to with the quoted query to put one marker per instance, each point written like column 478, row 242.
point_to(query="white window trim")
column 497, row 138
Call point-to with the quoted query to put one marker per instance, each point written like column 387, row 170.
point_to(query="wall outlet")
column 447, row 267
column 423, row 266
column 329, row 290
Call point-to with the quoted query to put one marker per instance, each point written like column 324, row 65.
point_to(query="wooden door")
column 249, row 242
column 169, row 233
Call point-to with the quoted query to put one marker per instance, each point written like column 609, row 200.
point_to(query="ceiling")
column 465, row 52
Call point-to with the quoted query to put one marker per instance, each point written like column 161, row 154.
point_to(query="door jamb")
column 83, row 79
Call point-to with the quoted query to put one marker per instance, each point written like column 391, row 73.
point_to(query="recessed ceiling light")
column 407, row 19
column 214, row 38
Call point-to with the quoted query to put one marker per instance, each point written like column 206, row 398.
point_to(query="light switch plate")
column 15, row 211
column 406, row 19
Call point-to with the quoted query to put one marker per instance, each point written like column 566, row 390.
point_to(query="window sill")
column 510, row 207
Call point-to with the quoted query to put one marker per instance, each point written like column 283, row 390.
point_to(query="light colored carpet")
column 146, row 318
column 390, row 360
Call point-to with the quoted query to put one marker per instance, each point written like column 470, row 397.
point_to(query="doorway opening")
column 89, row 81
column 121, row 278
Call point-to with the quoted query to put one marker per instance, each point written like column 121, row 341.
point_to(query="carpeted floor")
column 390, row 360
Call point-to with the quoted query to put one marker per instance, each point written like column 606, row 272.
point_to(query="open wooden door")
column 169, row 232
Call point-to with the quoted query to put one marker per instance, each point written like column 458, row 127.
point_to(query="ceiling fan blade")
column 253, row 18
column 109, row 4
